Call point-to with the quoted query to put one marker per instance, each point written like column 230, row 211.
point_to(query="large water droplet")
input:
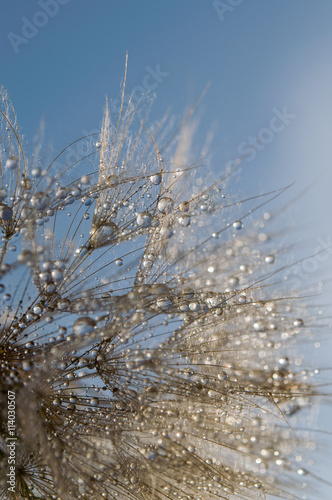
column 144, row 219
column 6, row 213
column 155, row 179
column 84, row 325
column 165, row 205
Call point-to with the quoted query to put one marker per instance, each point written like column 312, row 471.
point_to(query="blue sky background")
column 259, row 56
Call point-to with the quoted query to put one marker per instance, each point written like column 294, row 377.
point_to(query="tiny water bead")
column 84, row 325
column 238, row 225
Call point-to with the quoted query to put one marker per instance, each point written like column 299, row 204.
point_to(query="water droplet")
column 144, row 219
column 84, row 325
column 36, row 172
column 165, row 205
column 3, row 194
column 164, row 303
column 269, row 259
column 184, row 220
column 6, row 213
column 27, row 365
column 119, row 262
column 284, row 362
column 184, row 206
column 237, row 224
column 39, row 201
column 155, row 179
column 63, row 304
column 12, row 163
column 259, row 326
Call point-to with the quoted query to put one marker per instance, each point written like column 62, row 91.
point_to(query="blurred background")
column 269, row 101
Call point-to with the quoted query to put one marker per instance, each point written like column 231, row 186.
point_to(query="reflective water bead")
column 165, row 205
column 6, row 213
column 12, row 163
column 155, row 179
column 39, row 201
column 83, row 325
column 184, row 220
column 143, row 219
column 238, row 224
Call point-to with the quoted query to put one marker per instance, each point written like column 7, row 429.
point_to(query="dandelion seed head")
column 150, row 351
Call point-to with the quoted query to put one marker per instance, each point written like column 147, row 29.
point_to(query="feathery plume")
column 146, row 329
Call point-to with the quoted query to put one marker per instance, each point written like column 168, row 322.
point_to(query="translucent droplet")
column 164, row 303
column 237, row 224
column 57, row 274
column 184, row 206
column 27, row 365
column 6, row 213
column 3, row 194
column 36, row 172
column 155, row 179
column 63, row 304
column 119, row 262
column 165, row 205
column 84, row 325
column 269, row 259
column 298, row 323
column 12, row 163
column 184, row 220
column 259, row 326
column 144, row 219
column 39, row 201
column 284, row 362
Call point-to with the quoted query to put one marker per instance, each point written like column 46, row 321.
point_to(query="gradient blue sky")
column 260, row 56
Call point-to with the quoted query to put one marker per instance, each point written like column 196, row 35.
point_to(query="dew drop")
column 238, row 224
column 84, row 325
column 155, row 179
column 12, row 163
column 144, row 219
column 6, row 213
column 39, row 201
column 165, row 205
column 184, row 220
